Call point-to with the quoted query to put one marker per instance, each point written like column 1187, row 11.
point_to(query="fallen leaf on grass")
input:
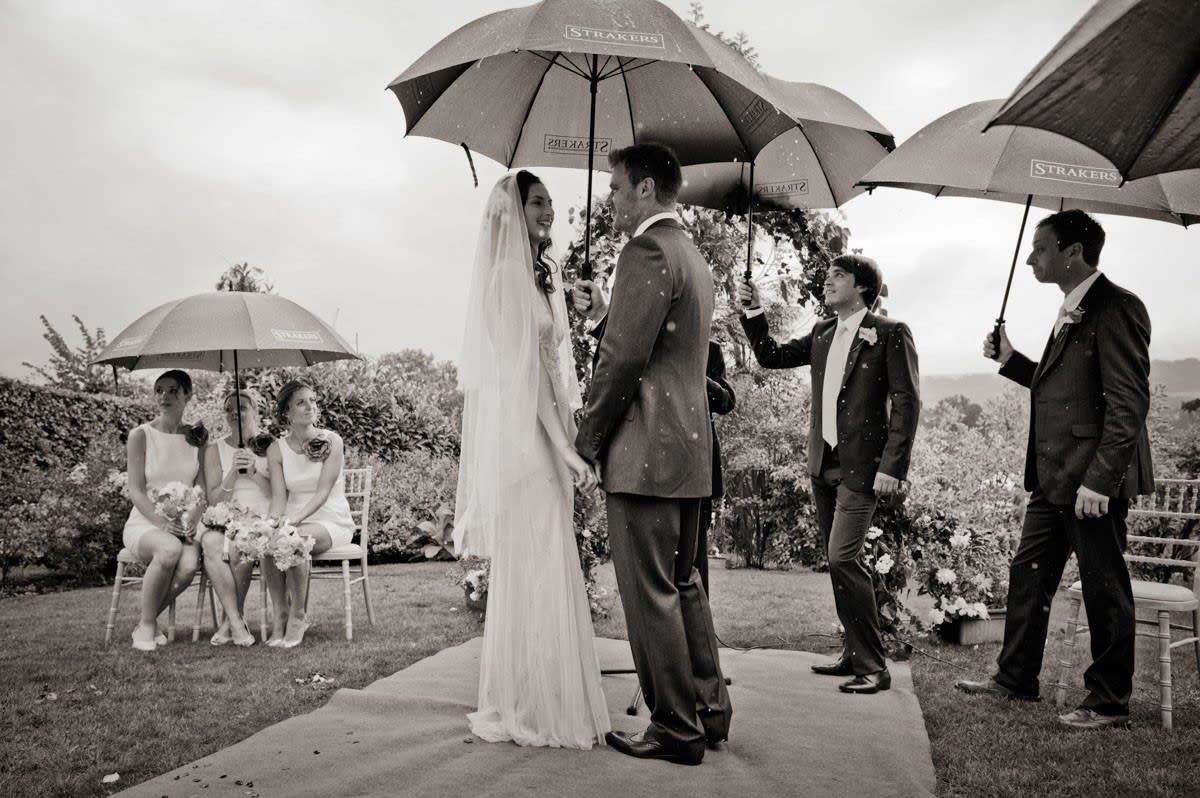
column 111, row 778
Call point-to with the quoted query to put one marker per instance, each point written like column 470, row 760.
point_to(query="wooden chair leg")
column 1164, row 666
column 114, row 604
column 262, row 602
column 1196, row 636
column 346, row 599
column 1067, row 662
column 199, row 606
column 366, row 583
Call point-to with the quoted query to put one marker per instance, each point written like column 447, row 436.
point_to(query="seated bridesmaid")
column 162, row 451
column 235, row 474
column 307, row 489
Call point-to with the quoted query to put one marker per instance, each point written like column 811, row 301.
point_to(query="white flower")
column 936, row 617
column 946, row 576
column 869, row 335
column 78, row 475
column 874, row 532
column 884, row 565
column 960, row 540
column 981, row 610
column 982, row 581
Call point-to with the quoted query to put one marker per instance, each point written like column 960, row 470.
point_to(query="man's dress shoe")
column 993, row 688
column 840, row 668
column 1084, row 718
column 868, row 683
column 636, row 745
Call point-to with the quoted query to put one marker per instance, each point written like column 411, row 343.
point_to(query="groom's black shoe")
column 840, row 668
column 636, row 745
column 868, row 683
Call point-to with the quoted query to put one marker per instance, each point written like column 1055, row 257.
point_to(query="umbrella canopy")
column 1125, row 81
column 950, row 158
column 532, row 86
column 815, row 164
column 223, row 331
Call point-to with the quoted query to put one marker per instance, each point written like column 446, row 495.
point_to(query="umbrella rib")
column 820, row 166
column 624, row 68
column 629, row 105
column 750, row 154
column 550, row 63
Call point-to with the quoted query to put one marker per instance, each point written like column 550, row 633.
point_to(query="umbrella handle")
column 996, row 339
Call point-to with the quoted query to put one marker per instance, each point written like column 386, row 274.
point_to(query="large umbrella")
column 225, row 331
column 950, row 158
column 559, row 82
column 1125, row 81
column 815, row 164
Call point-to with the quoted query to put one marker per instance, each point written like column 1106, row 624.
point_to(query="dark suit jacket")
column 1090, row 395
column 646, row 420
column 721, row 400
column 871, row 437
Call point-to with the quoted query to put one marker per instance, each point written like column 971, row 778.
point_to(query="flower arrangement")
column 286, row 546
column 473, row 577
column 220, row 517
column 249, row 535
column 964, row 571
column 175, row 501
column 317, row 449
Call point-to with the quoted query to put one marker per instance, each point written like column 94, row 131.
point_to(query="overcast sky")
column 148, row 145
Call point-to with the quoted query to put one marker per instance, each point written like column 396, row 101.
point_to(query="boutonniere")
column 1073, row 316
column 869, row 335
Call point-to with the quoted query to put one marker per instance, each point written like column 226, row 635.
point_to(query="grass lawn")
column 119, row 711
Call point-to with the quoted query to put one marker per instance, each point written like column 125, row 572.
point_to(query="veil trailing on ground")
column 498, row 373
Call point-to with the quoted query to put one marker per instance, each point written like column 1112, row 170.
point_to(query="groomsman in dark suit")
column 1088, row 455
column 865, row 402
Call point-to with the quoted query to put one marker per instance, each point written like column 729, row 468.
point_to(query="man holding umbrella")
column 1088, row 454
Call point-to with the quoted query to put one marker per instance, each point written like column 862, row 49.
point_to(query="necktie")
column 835, row 366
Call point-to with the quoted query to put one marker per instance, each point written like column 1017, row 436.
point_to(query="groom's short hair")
column 656, row 161
column 866, row 273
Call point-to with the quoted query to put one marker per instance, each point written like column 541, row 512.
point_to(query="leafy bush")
column 53, row 428
column 404, row 493
column 67, row 521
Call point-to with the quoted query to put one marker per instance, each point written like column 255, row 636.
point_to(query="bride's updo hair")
column 543, row 266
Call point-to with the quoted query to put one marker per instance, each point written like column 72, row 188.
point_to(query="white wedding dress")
column 539, row 676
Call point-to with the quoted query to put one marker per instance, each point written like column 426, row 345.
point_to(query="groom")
column 647, row 432
column 865, row 402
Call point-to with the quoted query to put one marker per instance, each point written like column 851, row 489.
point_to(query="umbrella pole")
column 116, row 381
column 237, row 402
column 750, row 230
column 586, row 271
column 1008, row 286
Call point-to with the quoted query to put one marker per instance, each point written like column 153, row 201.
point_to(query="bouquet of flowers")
column 175, row 501
column 220, row 517
column 287, row 546
column 250, row 535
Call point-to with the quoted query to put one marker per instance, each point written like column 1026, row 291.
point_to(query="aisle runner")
column 793, row 734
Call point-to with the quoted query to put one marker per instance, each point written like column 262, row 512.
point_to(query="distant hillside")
column 1182, row 378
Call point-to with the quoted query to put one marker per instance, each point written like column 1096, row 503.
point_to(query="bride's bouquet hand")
column 582, row 473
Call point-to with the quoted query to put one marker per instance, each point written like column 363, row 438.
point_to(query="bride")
column 539, row 676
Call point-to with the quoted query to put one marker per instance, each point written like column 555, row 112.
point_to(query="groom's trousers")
column 670, row 627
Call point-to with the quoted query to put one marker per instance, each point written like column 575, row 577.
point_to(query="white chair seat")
column 129, row 557
column 1154, row 595
column 351, row 551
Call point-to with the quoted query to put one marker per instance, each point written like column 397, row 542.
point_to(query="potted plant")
column 966, row 573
